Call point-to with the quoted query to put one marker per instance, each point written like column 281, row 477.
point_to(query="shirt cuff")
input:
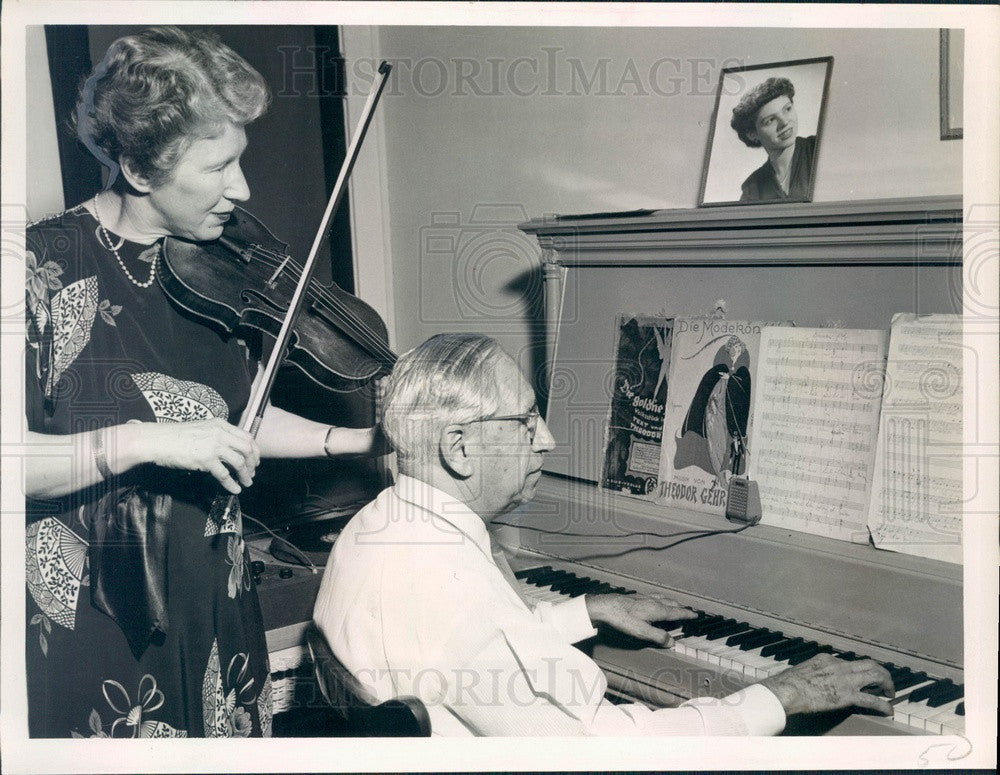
column 754, row 711
column 571, row 619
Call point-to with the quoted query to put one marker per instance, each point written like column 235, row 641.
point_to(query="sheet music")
column 916, row 503
column 814, row 428
column 638, row 400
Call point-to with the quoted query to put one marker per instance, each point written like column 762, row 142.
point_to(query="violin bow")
column 257, row 404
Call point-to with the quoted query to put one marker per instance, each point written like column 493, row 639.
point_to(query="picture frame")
column 771, row 158
column 952, row 68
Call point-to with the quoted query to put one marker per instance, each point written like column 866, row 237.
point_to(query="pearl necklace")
column 114, row 249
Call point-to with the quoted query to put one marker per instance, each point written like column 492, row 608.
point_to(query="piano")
column 766, row 597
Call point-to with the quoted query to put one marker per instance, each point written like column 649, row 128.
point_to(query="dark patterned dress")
column 102, row 351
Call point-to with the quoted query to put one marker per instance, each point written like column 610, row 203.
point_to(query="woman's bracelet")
column 326, row 440
column 100, row 457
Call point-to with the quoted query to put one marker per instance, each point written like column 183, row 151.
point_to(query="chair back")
column 363, row 714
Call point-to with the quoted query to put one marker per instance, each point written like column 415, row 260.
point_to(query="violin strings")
column 361, row 332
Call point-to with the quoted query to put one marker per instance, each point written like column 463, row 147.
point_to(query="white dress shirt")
column 413, row 602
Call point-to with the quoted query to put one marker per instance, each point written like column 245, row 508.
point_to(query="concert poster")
column 639, row 393
column 706, row 425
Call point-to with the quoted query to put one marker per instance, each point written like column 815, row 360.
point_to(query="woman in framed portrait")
column 766, row 117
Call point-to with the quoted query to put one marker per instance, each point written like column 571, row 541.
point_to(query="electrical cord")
column 295, row 550
column 694, row 534
column 636, row 534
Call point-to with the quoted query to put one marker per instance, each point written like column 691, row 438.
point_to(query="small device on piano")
column 743, row 654
column 743, row 501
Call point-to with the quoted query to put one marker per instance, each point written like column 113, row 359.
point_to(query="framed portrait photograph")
column 765, row 134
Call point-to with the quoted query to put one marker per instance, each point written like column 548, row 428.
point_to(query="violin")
column 246, row 280
column 281, row 300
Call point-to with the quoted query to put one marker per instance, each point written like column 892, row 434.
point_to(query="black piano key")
column 700, row 626
column 937, row 689
column 945, row 694
column 689, row 625
column 743, row 639
column 960, row 710
column 798, row 644
column 906, row 681
column 719, row 626
column 924, row 692
column 761, row 640
column 895, row 671
column 777, row 649
column 720, row 622
column 898, row 673
column 578, row 586
column 913, row 680
column 803, row 654
column 754, row 633
column 544, row 580
column 728, row 628
column 921, row 694
column 738, row 638
column 529, row 574
column 560, row 583
column 777, row 644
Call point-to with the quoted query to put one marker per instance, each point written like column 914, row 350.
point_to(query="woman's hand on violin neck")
column 225, row 451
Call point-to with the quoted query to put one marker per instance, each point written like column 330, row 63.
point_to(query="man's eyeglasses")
column 528, row 419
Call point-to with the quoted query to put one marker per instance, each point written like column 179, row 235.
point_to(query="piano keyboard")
column 923, row 703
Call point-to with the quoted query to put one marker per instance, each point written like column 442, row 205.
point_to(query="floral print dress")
column 102, row 351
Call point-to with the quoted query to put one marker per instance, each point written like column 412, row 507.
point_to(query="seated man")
column 417, row 601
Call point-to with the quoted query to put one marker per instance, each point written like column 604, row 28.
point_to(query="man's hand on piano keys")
column 634, row 614
column 828, row 683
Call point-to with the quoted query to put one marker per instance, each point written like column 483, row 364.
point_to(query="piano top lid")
column 933, row 209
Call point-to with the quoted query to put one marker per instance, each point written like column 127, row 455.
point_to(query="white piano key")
column 542, row 594
column 917, row 714
column 949, row 721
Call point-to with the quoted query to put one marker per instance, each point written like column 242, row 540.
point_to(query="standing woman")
column 142, row 618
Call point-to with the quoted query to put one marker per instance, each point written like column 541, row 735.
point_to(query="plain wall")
column 463, row 167
column 45, row 193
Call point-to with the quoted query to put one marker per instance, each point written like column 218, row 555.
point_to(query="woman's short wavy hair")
column 450, row 378
column 157, row 91
column 745, row 112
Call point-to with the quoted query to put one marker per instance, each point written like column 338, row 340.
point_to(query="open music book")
column 850, row 442
column 814, row 428
column 916, row 504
